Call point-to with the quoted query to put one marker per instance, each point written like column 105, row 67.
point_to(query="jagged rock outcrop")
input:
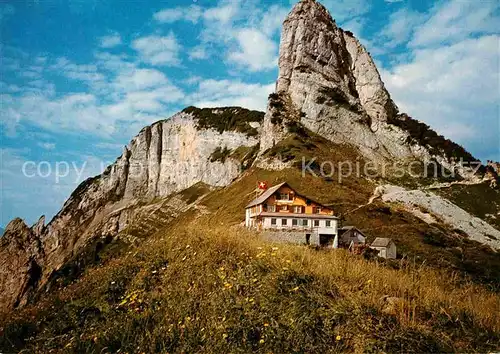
column 164, row 158
column 436, row 206
column 327, row 75
column 21, row 252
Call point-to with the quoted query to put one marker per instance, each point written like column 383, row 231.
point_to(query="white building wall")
column 247, row 217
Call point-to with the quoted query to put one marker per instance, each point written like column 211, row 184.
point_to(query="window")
column 271, row 208
column 284, row 196
column 273, row 221
column 284, row 207
column 297, row 209
column 317, row 210
column 284, row 222
column 328, row 223
column 294, row 222
column 316, row 222
column 304, row 222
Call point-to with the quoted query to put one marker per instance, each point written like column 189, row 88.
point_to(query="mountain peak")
column 329, row 80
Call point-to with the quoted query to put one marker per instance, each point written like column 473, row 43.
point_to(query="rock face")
column 475, row 228
column 164, row 158
column 20, row 254
column 327, row 82
column 330, row 78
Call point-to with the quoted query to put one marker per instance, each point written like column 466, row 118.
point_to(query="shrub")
column 226, row 119
column 422, row 134
column 220, row 154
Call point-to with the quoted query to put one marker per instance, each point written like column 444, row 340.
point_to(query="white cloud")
column 46, row 193
column 448, row 74
column 456, row 20
column 455, row 90
column 256, row 51
column 218, row 93
column 400, row 27
column 158, row 50
column 272, row 19
column 110, row 41
column 192, row 14
column 81, row 72
column 47, row 146
column 169, row 15
column 223, row 14
column 342, row 10
column 139, row 79
column 131, row 98
column 198, row 53
column 113, row 62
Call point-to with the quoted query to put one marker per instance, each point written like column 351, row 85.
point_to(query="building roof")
column 264, row 196
column 342, row 230
column 346, row 228
column 298, row 215
column 381, row 242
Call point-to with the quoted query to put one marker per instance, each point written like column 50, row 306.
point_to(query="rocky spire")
column 313, row 50
column 330, row 78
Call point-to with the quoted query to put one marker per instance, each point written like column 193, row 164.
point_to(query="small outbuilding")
column 350, row 235
column 385, row 246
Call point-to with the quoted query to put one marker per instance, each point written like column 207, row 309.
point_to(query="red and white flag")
column 262, row 185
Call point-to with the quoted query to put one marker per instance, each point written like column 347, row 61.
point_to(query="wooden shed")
column 385, row 246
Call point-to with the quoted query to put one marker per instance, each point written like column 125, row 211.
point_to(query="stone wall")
column 297, row 237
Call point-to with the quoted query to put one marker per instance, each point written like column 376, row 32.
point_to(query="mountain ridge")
column 328, row 84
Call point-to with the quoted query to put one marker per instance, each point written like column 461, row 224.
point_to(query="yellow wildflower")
column 261, row 341
column 338, row 338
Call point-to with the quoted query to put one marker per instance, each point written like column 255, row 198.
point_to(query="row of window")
column 301, row 222
column 298, row 209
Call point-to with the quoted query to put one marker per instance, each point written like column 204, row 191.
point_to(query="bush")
column 422, row 134
column 226, row 119
column 220, row 154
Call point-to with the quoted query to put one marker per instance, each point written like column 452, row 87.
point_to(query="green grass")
column 220, row 154
column 480, row 200
column 204, row 284
column 226, row 119
column 422, row 134
column 202, row 287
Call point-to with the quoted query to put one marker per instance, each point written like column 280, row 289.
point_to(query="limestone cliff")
column 164, row 158
column 330, row 78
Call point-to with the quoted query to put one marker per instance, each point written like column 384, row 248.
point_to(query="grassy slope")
column 479, row 200
column 220, row 289
column 204, row 284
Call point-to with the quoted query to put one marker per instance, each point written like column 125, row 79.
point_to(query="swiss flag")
column 262, row 185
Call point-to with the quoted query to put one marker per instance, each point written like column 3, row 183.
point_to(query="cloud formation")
column 158, row 50
column 110, row 41
column 450, row 74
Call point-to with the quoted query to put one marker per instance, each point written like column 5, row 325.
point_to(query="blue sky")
column 78, row 79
